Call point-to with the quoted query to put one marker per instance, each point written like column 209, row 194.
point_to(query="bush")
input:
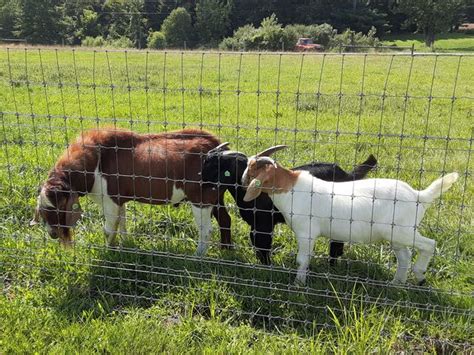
column 177, row 28
column 120, row 42
column 230, row 44
column 272, row 36
column 351, row 38
column 269, row 36
column 156, row 40
column 98, row 41
column 320, row 34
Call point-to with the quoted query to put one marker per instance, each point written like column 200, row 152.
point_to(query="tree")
column 9, row 10
column 432, row 16
column 124, row 18
column 136, row 28
column 158, row 10
column 87, row 24
column 177, row 27
column 212, row 20
column 39, row 21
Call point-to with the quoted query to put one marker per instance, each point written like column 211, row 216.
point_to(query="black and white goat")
column 224, row 168
column 113, row 167
column 362, row 211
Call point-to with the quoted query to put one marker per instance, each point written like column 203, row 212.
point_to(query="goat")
column 224, row 168
column 114, row 167
column 362, row 211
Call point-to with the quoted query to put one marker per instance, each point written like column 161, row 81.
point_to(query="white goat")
column 361, row 211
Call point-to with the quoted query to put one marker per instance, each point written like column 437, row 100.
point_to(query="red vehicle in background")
column 307, row 45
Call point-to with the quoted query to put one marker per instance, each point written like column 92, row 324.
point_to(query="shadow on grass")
column 237, row 291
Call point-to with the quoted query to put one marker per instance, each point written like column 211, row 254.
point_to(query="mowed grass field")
column 446, row 42
column 151, row 294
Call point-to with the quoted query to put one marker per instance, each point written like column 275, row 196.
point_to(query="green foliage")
column 120, row 42
column 321, row 34
column 269, row 36
column 208, row 21
column 39, row 21
column 88, row 24
column 431, row 16
column 156, row 40
column 212, row 20
column 93, row 41
column 99, row 41
column 9, row 12
column 272, row 36
column 125, row 18
column 359, row 16
column 243, row 39
column 352, row 38
column 177, row 28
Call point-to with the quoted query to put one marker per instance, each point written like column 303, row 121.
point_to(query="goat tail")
column 361, row 170
column 437, row 188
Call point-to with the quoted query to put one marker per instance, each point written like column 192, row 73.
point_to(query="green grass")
column 447, row 42
column 151, row 294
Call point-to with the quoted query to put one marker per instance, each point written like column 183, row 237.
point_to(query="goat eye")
column 227, row 173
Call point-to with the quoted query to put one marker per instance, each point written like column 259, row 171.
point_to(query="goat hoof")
column 227, row 246
column 201, row 252
column 300, row 282
column 422, row 282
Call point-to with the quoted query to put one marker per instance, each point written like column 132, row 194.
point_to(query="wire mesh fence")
column 412, row 112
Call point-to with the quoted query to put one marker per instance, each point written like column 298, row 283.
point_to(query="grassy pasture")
column 446, row 42
column 413, row 113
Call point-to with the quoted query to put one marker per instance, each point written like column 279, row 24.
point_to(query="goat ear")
column 36, row 218
column 253, row 190
column 73, row 210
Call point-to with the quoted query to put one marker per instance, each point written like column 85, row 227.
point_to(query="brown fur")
column 140, row 167
column 272, row 179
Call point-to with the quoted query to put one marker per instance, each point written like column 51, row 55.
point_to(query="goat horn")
column 219, row 147
column 269, row 151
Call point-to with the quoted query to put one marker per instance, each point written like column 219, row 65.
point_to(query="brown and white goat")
column 360, row 211
column 114, row 166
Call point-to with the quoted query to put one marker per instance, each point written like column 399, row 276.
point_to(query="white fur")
column 202, row 216
column 43, row 200
column 361, row 211
column 113, row 213
column 177, row 195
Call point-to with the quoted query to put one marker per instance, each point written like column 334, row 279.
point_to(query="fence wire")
column 412, row 112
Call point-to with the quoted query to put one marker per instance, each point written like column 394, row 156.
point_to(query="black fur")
column 225, row 170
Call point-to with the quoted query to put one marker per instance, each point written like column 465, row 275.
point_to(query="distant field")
column 413, row 113
column 449, row 42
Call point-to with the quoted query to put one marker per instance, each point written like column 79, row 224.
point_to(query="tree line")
column 210, row 23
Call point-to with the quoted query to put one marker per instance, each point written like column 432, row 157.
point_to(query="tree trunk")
column 429, row 37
